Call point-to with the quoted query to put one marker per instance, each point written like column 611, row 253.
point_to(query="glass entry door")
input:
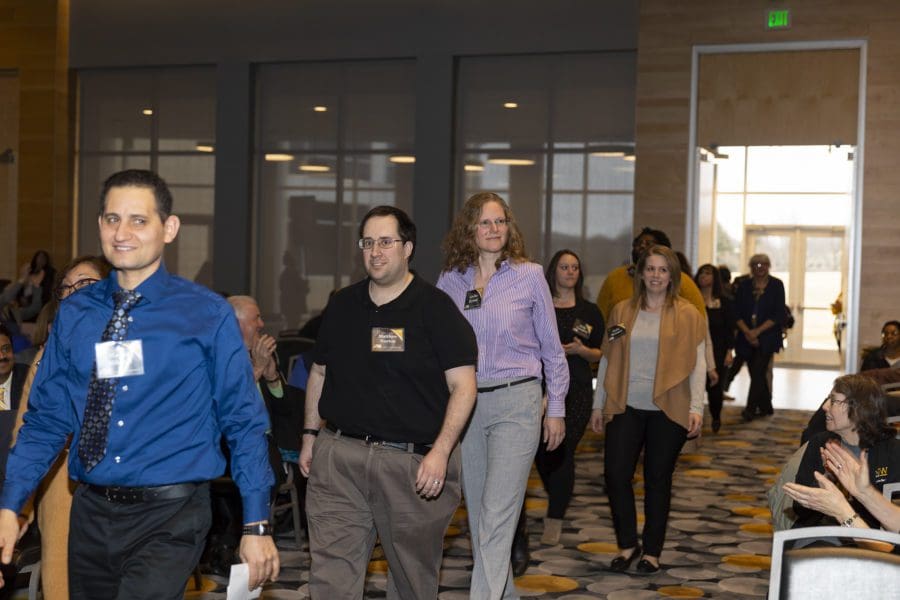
column 812, row 264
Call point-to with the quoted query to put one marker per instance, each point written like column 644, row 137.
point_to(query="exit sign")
column 778, row 19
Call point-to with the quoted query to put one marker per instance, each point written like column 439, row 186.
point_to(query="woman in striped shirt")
column 507, row 301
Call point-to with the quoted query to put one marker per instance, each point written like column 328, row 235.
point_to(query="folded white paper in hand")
column 238, row 582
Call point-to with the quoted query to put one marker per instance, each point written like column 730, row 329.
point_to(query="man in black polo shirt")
column 393, row 378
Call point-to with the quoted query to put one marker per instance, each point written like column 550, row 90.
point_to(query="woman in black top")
column 720, row 315
column 888, row 354
column 581, row 333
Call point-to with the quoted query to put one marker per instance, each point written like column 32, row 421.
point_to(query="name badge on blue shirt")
column 388, row 339
column 119, row 359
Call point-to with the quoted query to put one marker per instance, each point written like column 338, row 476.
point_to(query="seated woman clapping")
column 853, row 475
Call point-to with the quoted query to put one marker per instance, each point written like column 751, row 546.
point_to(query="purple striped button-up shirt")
column 515, row 327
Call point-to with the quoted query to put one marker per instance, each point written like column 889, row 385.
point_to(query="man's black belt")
column 492, row 388
column 372, row 440
column 137, row 495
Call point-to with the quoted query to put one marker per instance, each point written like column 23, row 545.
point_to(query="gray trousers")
column 357, row 491
column 497, row 452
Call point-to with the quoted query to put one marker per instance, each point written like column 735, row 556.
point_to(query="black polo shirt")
column 398, row 393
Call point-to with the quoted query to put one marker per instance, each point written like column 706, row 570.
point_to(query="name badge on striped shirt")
column 473, row 300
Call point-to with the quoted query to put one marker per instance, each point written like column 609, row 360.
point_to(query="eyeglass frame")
column 499, row 222
column 81, row 283
column 383, row 243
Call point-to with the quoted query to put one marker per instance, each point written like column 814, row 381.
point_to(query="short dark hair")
column 405, row 226
column 551, row 273
column 660, row 236
column 140, row 178
column 894, row 323
column 865, row 408
column 716, row 279
column 5, row 331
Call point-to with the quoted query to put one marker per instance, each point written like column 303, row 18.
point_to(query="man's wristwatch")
column 258, row 529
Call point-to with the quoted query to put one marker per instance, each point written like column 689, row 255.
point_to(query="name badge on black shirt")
column 582, row 329
column 473, row 300
column 388, row 339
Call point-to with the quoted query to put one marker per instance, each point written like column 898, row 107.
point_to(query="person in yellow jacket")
column 619, row 283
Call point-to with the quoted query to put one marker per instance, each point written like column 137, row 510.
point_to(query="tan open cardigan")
column 681, row 329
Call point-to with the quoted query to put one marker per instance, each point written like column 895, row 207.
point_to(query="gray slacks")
column 497, row 451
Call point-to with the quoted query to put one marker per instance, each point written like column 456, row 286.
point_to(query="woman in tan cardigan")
column 653, row 375
column 54, row 496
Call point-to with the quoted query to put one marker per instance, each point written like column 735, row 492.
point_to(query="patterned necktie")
column 102, row 392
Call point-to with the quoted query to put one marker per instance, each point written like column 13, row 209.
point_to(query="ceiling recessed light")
column 147, row 112
column 320, row 108
column 275, row 157
column 315, row 168
column 402, row 159
column 512, row 162
column 510, row 105
column 205, row 148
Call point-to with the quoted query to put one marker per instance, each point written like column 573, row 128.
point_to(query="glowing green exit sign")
column 778, row 19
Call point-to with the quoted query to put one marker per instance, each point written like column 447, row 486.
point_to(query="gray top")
column 644, row 352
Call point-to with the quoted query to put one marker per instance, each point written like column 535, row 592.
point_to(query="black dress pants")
column 759, row 397
column 138, row 551
column 661, row 439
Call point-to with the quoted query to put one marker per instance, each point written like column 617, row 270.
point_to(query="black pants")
column 759, row 398
column 557, row 468
column 661, row 439
column 135, row 551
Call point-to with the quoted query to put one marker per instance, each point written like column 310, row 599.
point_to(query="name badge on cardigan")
column 388, row 339
column 615, row 332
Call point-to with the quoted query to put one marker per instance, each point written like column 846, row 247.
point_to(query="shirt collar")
column 151, row 289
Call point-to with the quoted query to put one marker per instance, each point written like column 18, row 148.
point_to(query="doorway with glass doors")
column 775, row 171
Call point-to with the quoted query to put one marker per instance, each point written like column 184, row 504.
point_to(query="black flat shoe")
column 716, row 425
column 647, row 567
column 620, row 564
column 747, row 416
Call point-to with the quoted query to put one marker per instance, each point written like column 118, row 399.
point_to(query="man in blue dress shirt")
column 141, row 512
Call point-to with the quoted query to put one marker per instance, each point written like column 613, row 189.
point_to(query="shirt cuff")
column 13, row 497
column 256, row 506
column 556, row 407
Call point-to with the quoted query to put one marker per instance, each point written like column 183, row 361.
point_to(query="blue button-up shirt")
column 166, row 424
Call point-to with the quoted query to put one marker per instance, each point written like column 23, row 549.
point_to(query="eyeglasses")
column 385, row 243
column 64, row 291
column 835, row 402
column 486, row 223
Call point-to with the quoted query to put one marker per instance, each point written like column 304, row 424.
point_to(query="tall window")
column 157, row 119
column 332, row 141
column 554, row 135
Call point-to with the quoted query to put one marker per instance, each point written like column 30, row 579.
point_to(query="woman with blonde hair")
column 649, row 397
column 507, row 301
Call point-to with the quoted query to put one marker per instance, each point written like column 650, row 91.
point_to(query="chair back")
column 801, row 570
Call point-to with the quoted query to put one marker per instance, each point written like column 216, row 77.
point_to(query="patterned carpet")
column 718, row 542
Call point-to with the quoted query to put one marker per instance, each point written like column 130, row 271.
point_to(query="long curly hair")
column 460, row 250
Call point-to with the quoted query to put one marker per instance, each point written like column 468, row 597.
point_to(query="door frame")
column 799, row 235
column 854, row 229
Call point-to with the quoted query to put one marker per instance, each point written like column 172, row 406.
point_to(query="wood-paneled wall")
column 34, row 43
column 667, row 32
